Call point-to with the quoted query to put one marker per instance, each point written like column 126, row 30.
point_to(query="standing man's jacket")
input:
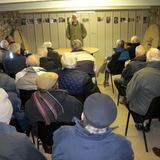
column 77, row 31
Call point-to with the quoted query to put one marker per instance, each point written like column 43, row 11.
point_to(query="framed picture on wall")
column 145, row 20
column 108, row 19
column 130, row 19
column 138, row 19
column 46, row 20
column 85, row 19
column 115, row 20
column 52, row 20
column 100, row 19
column 124, row 20
column 61, row 20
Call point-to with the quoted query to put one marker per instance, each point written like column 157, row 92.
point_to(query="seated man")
column 144, row 85
column 18, row 118
column 14, row 145
column 26, row 79
column 132, row 46
column 76, row 82
column 14, row 62
column 92, row 138
column 85, row 61
column 49, row 59
column 115, row 63
column 51, row 106
column 133, row 66
column 3, row 51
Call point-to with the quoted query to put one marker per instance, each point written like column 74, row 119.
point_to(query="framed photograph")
column 100, row 19
column 108, row 19
column 115, row 20
column 86, row 19
column 61, row 20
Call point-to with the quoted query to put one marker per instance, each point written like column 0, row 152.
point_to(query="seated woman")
column 76, row 82
column 50, row 107
column 115, row 63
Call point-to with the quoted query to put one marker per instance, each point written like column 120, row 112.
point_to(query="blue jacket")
column 76, row 143
column 16, row 146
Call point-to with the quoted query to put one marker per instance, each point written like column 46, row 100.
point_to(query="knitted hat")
column 46, row 80
column 100, row 110
column 6, row 108
column 68, row 60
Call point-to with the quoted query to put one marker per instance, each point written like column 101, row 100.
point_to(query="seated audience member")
column 115, row 63
column 3, row 51
column 52, row 106
column 49, row 59
column 76, row 82
column 8, row 84
column 156, row 151
column 14, row 145
column 132, row 46
column 144, row 85
column 18, row 118
column 133, row 66
column 92, row 137
column 85, row 61
column 11, row 40
column 14, row 62
column 26, row 79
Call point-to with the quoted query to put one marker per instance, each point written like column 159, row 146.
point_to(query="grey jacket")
column 16, row 146
column 143, row 87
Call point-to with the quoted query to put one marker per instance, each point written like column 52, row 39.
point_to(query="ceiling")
column 68, row 5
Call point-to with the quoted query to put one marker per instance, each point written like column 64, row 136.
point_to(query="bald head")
column 4, row 44
column 15, row 48
column 153, row 55
column 33, row 61
column 135, row 39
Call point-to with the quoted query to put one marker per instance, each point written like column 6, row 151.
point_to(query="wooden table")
column 91, row 50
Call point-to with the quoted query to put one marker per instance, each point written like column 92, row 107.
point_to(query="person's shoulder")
column 64, row 131
column 121, row 141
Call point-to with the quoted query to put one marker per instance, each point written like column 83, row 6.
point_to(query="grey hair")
column 4, row 44
column 76, row 45
column 47, row 44
column 120, row 43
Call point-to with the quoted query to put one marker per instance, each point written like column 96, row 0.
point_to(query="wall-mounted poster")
column 108, row 19
column 52, row 20
column 23, row 21
column 115, row 20
column 61, row 20
column 38, row 21
column 124, row 20
column 130, row 19
column 138, row 18
column 145, row 20
column 30, row 21
column 100, row 19
column 46, row 20
column 86, row 19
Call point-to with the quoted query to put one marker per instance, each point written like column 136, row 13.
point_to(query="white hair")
column 153, row 55
column 4, row 44
column 135, row 39
column 47, row 44
column 140, row 50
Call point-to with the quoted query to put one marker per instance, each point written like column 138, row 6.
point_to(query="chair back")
column 154, row 108
column 25, row 95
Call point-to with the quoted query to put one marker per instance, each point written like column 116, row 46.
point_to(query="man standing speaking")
column 75, row 30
